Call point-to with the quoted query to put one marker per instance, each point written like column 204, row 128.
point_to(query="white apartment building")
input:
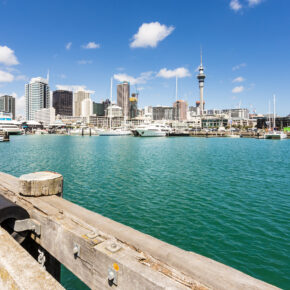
column 37, row 96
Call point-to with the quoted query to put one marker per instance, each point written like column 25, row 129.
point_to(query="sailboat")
column 273, row 134
column 232, row 135
column 116, row 132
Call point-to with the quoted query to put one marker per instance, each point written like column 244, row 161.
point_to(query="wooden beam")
column 91, row 245
column 18, row 270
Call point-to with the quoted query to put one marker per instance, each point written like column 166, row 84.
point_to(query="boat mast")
column 111, row 104
column 176, row 94
column 274, row 112
column 269, row 116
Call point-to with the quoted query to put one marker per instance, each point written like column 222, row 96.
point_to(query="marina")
column 240, row 222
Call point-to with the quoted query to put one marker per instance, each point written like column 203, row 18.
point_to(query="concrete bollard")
column 42, row 183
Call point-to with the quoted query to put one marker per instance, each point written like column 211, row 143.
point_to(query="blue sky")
column 246, row 49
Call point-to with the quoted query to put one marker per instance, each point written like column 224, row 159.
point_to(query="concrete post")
column 41, row 184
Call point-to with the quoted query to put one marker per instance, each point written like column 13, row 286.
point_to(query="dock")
column 40, row 230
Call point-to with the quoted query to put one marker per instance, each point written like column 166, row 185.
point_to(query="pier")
column 40, row 230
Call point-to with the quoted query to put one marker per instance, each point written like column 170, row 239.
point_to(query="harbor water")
column 227, row 199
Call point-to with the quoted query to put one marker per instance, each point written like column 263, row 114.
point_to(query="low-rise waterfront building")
column 46, row 116
column 114, row 111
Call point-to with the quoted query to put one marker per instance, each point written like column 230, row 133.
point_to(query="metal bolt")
column 76, row 250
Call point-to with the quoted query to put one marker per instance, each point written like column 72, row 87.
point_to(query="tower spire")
column 201, row 55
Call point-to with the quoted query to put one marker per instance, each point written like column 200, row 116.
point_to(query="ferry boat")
column 10, row 128
column 151, row 130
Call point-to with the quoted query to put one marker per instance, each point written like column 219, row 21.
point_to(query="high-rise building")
column 79, row 96
column 37, row 96
column 133, row 106
column 63, row 102
column 180, row 110
column 123, row 95
column 7, row 105
column 201, row 77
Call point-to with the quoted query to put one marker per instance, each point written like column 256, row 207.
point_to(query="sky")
column 245, row 46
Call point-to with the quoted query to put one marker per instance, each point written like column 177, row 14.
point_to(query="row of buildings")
column 66, row 106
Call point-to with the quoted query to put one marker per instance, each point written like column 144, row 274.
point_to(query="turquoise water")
column 227, row 199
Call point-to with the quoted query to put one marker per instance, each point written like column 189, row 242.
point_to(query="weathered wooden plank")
column 144, row 262
column 18, row 270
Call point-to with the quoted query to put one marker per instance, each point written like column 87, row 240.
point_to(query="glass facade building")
column 63, row 102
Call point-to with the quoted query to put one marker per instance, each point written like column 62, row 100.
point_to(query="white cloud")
column 239, row 66
column 7, row 56
column 6, row 77
column 19, row 104
column 83, row 61
column 142, row 79
column 74, row 88
column 68, row 46
column 150, row 34
column 235, row 5
column 238, row 80
column 237, row 90
column 180, row 72
column 91, row 45
column 21, row 78
column 254, row 2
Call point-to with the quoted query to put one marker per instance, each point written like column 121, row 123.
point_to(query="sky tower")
column 201, row 77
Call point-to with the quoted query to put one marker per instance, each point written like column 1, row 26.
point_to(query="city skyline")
column 150, row 51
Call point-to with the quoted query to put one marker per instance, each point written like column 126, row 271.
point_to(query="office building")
column 7, row 105
column 46, row 116
column 123, row 95
column 163, row 113
column 37, row 96
column 63, row 102
column 181, row 108
column 79, row 96
column 133, row 106
column 100, row 108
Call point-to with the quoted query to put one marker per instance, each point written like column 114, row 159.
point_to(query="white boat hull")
column 276, row 136
column 115, row 133
column 150, row 133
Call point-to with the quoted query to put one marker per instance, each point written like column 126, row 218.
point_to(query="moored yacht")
column 151, row 130
column 272, row 133
column 275, row 135
column 116, row 132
